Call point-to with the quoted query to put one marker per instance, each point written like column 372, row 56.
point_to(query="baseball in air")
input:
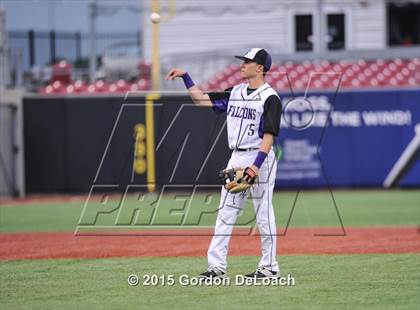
column 155, row 18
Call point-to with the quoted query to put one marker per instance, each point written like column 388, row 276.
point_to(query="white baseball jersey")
column 250, row 113
column 245, row 116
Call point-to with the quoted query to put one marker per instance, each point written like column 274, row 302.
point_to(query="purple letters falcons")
column 241, row 112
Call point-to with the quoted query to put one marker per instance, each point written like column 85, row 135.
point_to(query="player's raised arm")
column 196, row 94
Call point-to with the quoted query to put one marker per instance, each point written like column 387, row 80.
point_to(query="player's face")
column 250, row 69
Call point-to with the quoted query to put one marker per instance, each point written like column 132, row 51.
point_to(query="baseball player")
column 253, row 112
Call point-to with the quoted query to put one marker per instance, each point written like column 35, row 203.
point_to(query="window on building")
column 336, row 31
column 303, row 33
column 403, row 24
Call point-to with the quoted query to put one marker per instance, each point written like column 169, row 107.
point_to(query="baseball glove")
column 234, row 179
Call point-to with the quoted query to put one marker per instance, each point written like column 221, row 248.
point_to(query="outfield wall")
column 74, row 142
column 366, row 134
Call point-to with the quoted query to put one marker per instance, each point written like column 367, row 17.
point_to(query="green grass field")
column 312, row 209
column 322, row 282
column 380, row 281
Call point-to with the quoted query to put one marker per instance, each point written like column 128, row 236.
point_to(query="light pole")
column 321, row 38
column 93, row 7
column 51, row 14
column 155, row 71
column 154, row 95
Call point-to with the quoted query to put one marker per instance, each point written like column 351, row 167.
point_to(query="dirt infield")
column 297, row 241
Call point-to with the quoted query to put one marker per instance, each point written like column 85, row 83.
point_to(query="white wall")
column 369, row 26
column 221, row 25
column 236, row 25
column 203, row 36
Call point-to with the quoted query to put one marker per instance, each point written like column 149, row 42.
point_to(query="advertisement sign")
column 346, row 139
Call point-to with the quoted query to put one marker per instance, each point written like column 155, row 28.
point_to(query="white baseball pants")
column 231, row 204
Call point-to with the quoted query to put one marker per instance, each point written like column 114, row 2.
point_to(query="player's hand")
column 250, row 174
column 174, row 73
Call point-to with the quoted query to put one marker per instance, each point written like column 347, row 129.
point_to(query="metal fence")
column 41, row 48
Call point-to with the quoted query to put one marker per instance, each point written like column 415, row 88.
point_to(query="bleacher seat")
column 62, row 84
column 326, row 75
column 298, row 76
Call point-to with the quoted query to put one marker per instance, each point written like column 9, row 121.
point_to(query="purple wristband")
column 260, row 159
column 187, row 80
